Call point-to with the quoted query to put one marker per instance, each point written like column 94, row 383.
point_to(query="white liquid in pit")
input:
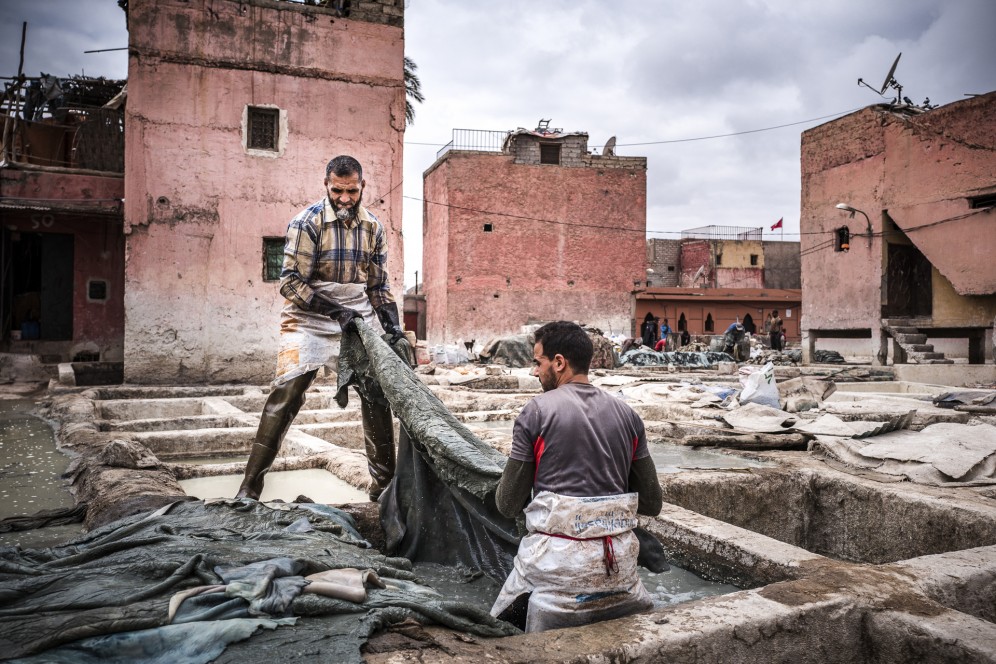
column 319, row 485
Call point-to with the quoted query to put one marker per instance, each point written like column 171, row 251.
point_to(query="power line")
column 740, row 133
column 700, row 138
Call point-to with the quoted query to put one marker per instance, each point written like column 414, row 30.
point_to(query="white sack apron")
column 309, row 340
column 578, row 560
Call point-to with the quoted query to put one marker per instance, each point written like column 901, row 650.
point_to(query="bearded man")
column 581, row 471
column 334, row 271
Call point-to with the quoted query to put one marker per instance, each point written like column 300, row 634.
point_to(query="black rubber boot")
column 378, row 437
column 282, row 406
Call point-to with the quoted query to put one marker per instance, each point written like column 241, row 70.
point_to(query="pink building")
column 234, row 109
column 914, row 260
column 529, row 226
column 61, row 247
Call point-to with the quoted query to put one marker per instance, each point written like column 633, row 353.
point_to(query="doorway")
column 40, row 300
column 908, row 283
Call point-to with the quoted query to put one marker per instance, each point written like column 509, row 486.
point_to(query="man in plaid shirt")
column 335, row 270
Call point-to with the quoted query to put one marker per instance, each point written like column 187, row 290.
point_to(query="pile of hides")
column 107, row 594
column 944, row 454
column 605, row 356
column 515, row 351
column 979, row 401
column 440, row 506
column 641, row 356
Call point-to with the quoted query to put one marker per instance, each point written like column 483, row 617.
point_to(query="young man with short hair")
column 581, row 468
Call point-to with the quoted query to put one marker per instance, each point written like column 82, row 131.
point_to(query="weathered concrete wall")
column 569, row 243
column 664, row 258
column 696, row 264
column 923, row 170
column 782, row 265
column 199, row 204
column 88, row 209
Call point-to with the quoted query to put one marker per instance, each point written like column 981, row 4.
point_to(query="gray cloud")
column 642, row 71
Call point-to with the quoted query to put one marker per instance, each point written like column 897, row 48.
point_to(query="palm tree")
column 413, row 90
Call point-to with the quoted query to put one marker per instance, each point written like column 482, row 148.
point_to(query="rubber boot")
column 378, row 437
column 282, row 406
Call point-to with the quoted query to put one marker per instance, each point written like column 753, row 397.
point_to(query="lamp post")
column 849, row 208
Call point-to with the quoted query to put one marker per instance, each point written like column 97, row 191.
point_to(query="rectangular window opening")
column 488, row 228
column 550, row 153
column 263, row 129
column 273, row 258
column 719, row 259
column 670, row 268
column 753, row 259
column 979, row 202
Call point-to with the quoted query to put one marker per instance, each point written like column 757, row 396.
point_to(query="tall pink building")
column 530, row 226
column 234, row 108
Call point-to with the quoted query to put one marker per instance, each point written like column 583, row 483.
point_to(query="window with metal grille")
column 263, row 128
column 549, row 153
column 273, row 258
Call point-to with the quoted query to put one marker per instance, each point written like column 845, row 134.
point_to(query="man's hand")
column 388, row 315
column 347, row 319
column 322, row 304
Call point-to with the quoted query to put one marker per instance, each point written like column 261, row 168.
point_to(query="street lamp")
column 848, row 208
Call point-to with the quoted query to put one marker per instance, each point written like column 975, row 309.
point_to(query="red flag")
column 778, row 224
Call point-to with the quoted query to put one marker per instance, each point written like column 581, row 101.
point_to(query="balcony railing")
column 479, row 140
column 724, row 233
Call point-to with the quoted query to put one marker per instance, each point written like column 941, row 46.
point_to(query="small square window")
column 263, row 129
column 549, row 153
column 753, row 259
column 96, row 290
column 273, row 258
column 488, row 228
column 670, row 268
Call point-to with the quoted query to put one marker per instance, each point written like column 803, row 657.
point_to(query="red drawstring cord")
column 608, row 553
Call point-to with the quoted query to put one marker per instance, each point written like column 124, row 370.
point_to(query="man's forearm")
column 515, row 488
column 643, row 480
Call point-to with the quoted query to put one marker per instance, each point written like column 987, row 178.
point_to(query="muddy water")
column 676, row 586
column 30, row 475
column 677, row 458
column 315, row 483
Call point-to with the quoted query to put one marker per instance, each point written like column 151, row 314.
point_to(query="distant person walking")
column 775, row 331
column 648, row 331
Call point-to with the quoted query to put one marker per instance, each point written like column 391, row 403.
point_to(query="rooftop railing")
column 478, row 140
column 724, row 233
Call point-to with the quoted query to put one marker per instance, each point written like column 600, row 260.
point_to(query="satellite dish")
column 698, row 274
column 889, row 81
column 888, row 77
column 610, row 148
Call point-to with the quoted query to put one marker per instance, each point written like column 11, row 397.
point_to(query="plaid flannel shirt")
column 319, row 247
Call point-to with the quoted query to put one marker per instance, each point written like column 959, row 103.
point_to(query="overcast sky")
column 645, row 71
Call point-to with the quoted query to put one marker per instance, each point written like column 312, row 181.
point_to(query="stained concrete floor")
column 833, row 567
